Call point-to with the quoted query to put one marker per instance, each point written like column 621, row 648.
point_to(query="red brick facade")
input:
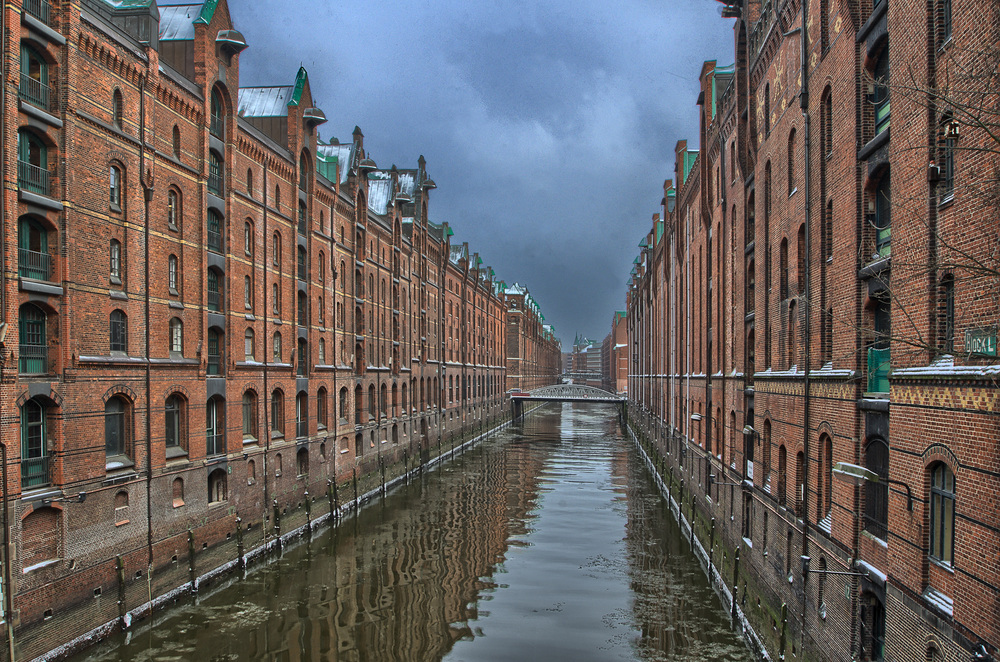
column 212, row 318
column 819, row 294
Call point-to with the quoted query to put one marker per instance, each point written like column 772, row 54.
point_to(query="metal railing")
column 40, row 9
column 215, row 182
column 214, row 443
column 33, row 178
column 33, row 359
column 301, row 429
column 878, row 370
column 760, row 29
column 217, row 126
column 214, row 300
column 36, row 92
column 32, row 264
column 214, row 364
column 35, row 471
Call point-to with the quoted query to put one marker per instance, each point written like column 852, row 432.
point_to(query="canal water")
column 546, row 542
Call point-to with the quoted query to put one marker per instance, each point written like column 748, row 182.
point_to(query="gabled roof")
column 379, row 192
column 408, row 182
column 265, row 101
column 330, row 157
column 177, row 21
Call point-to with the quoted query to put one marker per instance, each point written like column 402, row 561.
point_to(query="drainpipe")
column 8, row 598
column 266, row 432
column 687, row 337
column 147, row 196
column 807, row 312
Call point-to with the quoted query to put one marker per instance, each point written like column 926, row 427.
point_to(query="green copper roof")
column 207, row 11
column 659, row 231
column 689, row 157
column 643, row 243
column 300, row 84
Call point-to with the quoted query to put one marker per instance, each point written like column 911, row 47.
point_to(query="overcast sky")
column 548, row 126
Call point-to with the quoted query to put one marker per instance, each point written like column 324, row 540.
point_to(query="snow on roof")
column 407, row 182
column 335, row 155
column 379, row 192
column 265, row 101
column 514, row 289
column 177, row 22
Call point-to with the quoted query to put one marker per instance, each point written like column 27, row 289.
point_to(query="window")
column 302, row 415
column 941, row 545
column 248, row 345
column 872, row 627
column 303, row 308
column 303, row 223
column 116, row 438
column 213, row 235
column 321, row 404
column 215, row 173
column 34, row 455
column 174, row 425
column 947, row 132
column 33, row 344
column 321, row 351
column 880, row 94
column 214, row 291
column 217, row 489
column 302, row 262
column 248, row 239
column 783, row 262
column 115, row 267
column 250, row 415
column 173, row 209
column 767, row 110
column 177, row 142
column 118, row 331
column 825, row 482
column 247, row 293
column 250, row 182
column 217, row 124
column 32, row 163
column 942, row 22
column 276, row 347
column 34, row 86
column 782, row 474
column 276, row 250
column 277, row 413
column 302, row 362
column 748, row 515
column 302, row 462
column 342, row 403
column 178, row 492
column 172, row 274
column 802, row 257
column 33, row 259
column 275, row 299
column 215, row 426
column 176, row 337
column 876, row 517
column 791, row 161
column 115, row 187
column 117, row 108
column 215, row 346
column 277, row 197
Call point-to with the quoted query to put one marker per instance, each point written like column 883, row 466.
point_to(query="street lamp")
column 856, row 475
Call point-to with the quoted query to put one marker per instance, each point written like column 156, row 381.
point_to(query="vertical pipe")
column 147, row 197
column 807, row 312
column 265, row 396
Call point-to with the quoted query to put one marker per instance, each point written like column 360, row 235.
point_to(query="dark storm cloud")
column 549, row 127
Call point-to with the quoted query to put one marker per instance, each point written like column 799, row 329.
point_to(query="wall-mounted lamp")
column 856, row 475
column 696, row 416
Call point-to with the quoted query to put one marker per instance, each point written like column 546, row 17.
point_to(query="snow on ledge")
column 944, row 367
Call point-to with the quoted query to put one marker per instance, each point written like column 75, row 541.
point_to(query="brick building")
column 614, row 356
column 822, row 290
column 534, row 353
column 217, row 313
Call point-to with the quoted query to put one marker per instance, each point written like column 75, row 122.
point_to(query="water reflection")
column 545, row 543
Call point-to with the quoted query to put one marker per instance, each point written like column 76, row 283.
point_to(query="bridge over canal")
column 565, row 393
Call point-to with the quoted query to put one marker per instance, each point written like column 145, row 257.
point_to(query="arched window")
column 218, row 119
column 880, row 96
column 277, row 413
column 791, row 161
column 302, row 462
column 217, row 489
column 115, row 184
column 173, row 209
column 825, row 478
column 802, row 257
column 248, row 239
column 33, row 259
column 302, row 415
column 947, row 133
column 250, row 415
column 767, row 110
column 276, row 347
column 302, row 362
column 172, row 271
column 177, row 142
column 117, row 440
column 216, row 345
column 782, row 474
column 371, row 401
column 215, row 426
column 783, row 258
column 34, row 87
column 301, row 261
column 941, row 545
column 321, row 404
column 175, row 426
column 303, row 308
column 176, row 337
column 117, row 108
column 115, row 262
column 118, row 332
column 276, row 250
column 33, row 343
column 178, row 492
column 303, row 225
column 248, row 345
column 247, row 293
column 872, row 627
column 277, row 197
column 275, row 299
column 34, row 454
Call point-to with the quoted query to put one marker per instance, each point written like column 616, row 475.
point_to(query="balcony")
column 32, row 264
column 32, row 178
column 36, row 93
column 878, row 370
column 34, row 472
column 34, row 359
column 40, row 9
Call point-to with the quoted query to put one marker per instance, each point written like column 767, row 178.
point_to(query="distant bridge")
column 563, row 393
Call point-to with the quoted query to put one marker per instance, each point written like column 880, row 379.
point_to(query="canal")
column 547, row 542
